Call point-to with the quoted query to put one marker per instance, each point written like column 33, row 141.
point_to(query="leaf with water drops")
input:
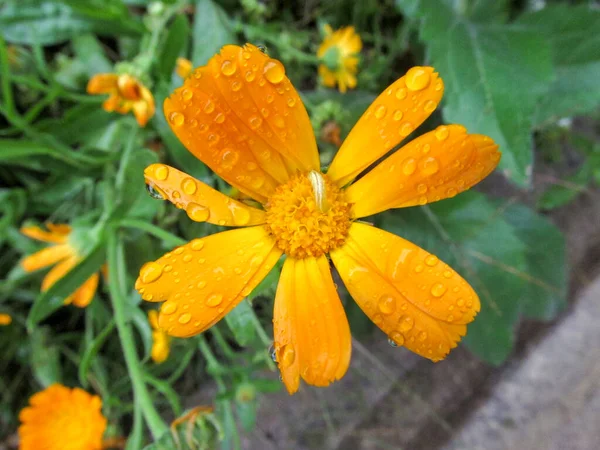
column 206, row 278
column 496, row 75
column 500, row 253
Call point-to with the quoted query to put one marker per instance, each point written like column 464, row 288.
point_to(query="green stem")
column 118, row 290
column 7, row 95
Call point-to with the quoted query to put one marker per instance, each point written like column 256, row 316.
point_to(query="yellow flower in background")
column 160, row 339
column 62, row 253
column 339, row 56
column 183, row 67
column 266, row 149
column 127, row 93
column 5, row 319
column 60, row 418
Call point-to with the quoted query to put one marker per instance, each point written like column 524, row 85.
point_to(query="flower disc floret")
column 308, row 216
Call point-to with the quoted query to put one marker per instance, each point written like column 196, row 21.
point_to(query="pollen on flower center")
column 308, row 216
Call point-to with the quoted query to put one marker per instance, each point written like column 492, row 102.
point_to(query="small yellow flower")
column 267, row 150
column 61, row 418
column 160, row 339
column 126, row 93
column 62, row 253
column 183, row 67
column 339, row 56
column 5, row 319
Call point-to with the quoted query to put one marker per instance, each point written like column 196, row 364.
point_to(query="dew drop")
column 430, row 106
column 406, row 323
column 168, row 268
column 255, row 122
column 264, row 112
column 278, row 121
column 288, row 356
column 250, row 76
column 396, row 339
column 273, row 353
column 168, row 308
column 422, row 336
column 460, row 302
column 421, row 188
column 229, row 158
column 262, row 48
column 409, row 166
column 274, row 71
column 387, row 304
column 451, row 192
column 220, row 118
column 188, row 186
column 154, row 192
column 441, row 133
column 417, row 79
column 209, row 107
column 176, row 118
column 214, row 300
column 197, row 213
column 426, row 148
column 228, row 68
column 447, row 274
column 422, row 200
column 184, row 318
column 187, row 95
column 438, row 289
column 197, row 244
column 291, row 102
column 201, row 284
column 236, row 86
column 150, row 272
column 419, row 268
column 380, row 111
column 401, row 94
column 398, row 115
column 405, row 129
column 187, row 258
column 270, row 98
column 431, row 260
column 251, row 166
column 429, row 165
column 241, row 216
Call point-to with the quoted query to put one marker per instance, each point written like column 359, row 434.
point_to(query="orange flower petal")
column 153, row 319
column 59, row 228
column 435, row 166
column 201, row 202
column 59, row 271
column 206, row 278
column 46, row 257
column 183, row 68
column 243, row 118
column 396, row 113
column 102, row 83
column 56, row 237
column 85, row 294
column 416, row 299
column 312, row 336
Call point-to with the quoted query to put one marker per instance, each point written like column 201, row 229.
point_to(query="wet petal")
column 312, row 336
column 206, row 278
column 395, row 114
column 201, row 202
column 435, row 166
column 242, row 117
column 46, row 257
column 54, row 236
column 412, row 296
column 102, row 83
column 58, row 271
column 85, row 294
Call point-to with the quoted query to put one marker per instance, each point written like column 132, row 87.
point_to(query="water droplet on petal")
column 214, row 300
column 209, row 107
column 291, row 102
column 392, row 343
column 451, row 192
column 197, row 244
column 201, row 284
column 150, row 272
column 278, row 121
column 396, row 339
column 154, row 192
column 431, row 260
column 398, row 115
column 176, row 118
column 250, row 76
column 187, row 95
column 419, row 268
column 187, row 258
column 422, row 200
column 405, row 129
column 429, row 165
column 421, row 188
column 273, row 353
column 262, row 48
column 380, row 111
column 229, row 158
column 241, row 216
column 197, row 213
column 161, row 172
column 251, row 166
column 409, row 166
column 168, row 308
column 274, row 71
column 422, row 336
column 430, row 106
column 236, row 86
column 184, row 318
column 406, row 323
column 288, row 356
column 417, row 79
column 387, row 304
column 438, row 289
column 255, row 122
column 460, row 301
column 220, row 118
column 441, row 133
column 401, row 94
column 188, row 186
column 228, row 68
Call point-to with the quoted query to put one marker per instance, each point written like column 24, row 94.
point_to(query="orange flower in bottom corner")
column 266, row 149
column 126, row 93
column 61, row 418
column 64, row 254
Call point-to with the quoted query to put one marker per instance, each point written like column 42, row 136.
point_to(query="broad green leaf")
column 561, row 194
column 212, row 31
column 45, row 358
column 241, row 323
column 47, row 22
column 575, row 42
column 90, row 52
column 494, row 75
column 500, row 259
column 174, row 46
column 52, row 299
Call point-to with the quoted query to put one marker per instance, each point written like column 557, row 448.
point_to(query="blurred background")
column 527, row 238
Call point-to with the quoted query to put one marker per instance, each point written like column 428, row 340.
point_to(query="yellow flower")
column 126, row 93
column 339, row 55
column 62, row 253
column 183, row 67
column 160, row 339
column 60, row 418
column 243, row 118
column 5, row 319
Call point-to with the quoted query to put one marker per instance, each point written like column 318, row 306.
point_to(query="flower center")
column 308, row 215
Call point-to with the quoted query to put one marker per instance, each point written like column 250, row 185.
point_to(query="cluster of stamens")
column 308, row 216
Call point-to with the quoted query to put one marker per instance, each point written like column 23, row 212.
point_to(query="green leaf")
column 90, row 53
column 572, row 32
column 91, row 350
column 561, row 194
column 52, row 299
column 52, row 21
column 499, row 255
column 494, row 75
column 240, row 322
column 174, row 45
column 212, row 31
column 12, row 205
column 45, row 358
